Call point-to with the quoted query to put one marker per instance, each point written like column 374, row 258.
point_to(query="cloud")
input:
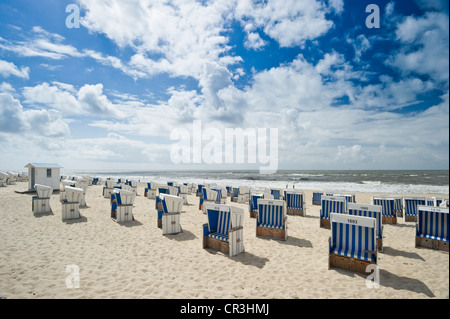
column 9, row 68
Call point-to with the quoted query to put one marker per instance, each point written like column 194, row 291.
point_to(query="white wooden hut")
column 44, row 174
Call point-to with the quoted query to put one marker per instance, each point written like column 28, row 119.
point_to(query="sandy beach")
column 134, row 259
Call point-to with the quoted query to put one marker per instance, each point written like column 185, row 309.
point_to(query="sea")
column 367, row 181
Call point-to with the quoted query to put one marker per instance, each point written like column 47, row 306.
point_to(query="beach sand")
column 134, row 259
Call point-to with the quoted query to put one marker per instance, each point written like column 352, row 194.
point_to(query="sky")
column 124, row 84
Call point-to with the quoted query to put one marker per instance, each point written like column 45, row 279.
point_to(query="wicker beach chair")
column 272, row 219
column 122, row 205
column 295, row 204
column 224, row 230
column 432, row 227
column 169, row 215
column 410, row 205
column 388, row 212
column 40, row 204
column 353, row 243
column 331, row 204
column 373, row 211
column 71, row 204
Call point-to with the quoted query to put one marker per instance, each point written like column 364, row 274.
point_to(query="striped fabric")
column 219, row 228
column 332, row 206
column 387, row 206
column 352, row 241
column 398, row 205
column 254, row 202
column 294, row 200
column 411, row 205
column 317, row 197
column 430, row 202
column 271, row 216
column 433, row 223
column 372, row 214
column 276, row 193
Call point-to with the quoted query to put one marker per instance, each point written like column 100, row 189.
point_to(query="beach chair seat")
column 373, row 211
column 353, row 244
column 432, row 227
column 122, row 205
column 331, row 204
column 40, row 204
column 388, row 211
column 71, row 205
column 410, row 205
column 224, row 230
column 272, row 219
column 169, row 216
column 253, row 204
column 317, row 198
column 294, row 202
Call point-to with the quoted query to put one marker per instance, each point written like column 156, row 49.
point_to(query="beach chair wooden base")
column 389, row 220
column 295, row 212
column 317, row 203
column 348, row 263
column 399, row 213
column 216, row 244
column 325, row 223
column 70, row 211
column 410, row 218
column 40, row 205
column 274, row 233
column 380, row 244
column 122, row 213
column 431, row 243
column 253, row 214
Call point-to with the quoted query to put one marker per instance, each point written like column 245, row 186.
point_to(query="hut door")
column 33, row 178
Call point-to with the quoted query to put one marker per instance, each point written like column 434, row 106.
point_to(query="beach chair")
column 40, row 204
column 272, row 219
column 62, row 188
column 122, row 205
column 169, row 215
column 84, row 187
column 4, row 178
column 331, row 204
column 244, row 195
column 183, row 191
column 277, row 193
column 234, row 195
column 209, row 196
column 108, row 188
column 294, row 202
column 71, row 204
column 388, row 212
column 229, row 190
column 373, row 211
column 438, row 200
column 410, row 205
column 398, row 206
column 224, row 231
column 432, row 227
column 199, row 190
column 253, row 204
column 353, row 243
column 317, row 198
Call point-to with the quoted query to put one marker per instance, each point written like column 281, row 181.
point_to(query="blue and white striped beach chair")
column 235, row 194
column 272, row 219
column 122, row 205
column 253, row 204
column 388, row 212
column 277, row 193
column 410, row 205
column 317, row 198
column 209, row 196
column 224, row 230
column 169, row 216
column 199, row 190
column 353, row 242
column 373, row 211
column 432, row 227
column 294, row 202
column 331, row 204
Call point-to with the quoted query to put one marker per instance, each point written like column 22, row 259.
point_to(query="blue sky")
column 107, row 95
